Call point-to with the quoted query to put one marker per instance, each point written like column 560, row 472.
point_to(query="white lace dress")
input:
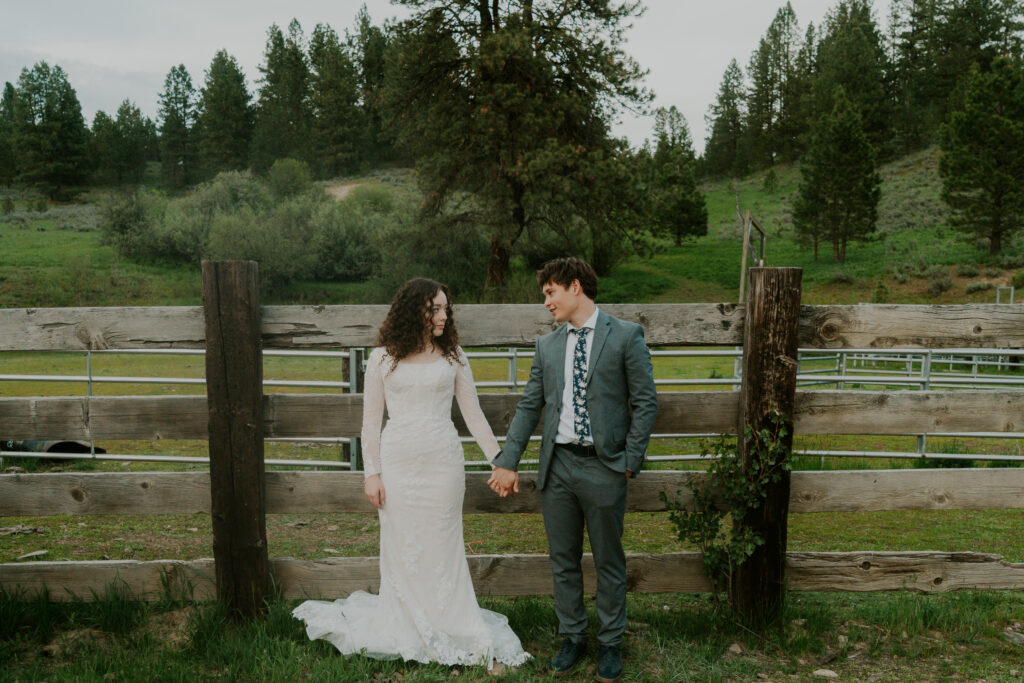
column 426, row 610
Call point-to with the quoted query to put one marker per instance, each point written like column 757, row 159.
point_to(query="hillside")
column 56, row 258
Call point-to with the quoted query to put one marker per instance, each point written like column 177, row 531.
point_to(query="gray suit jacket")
column 621, row 399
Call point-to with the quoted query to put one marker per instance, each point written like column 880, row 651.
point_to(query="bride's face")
column 437, row 316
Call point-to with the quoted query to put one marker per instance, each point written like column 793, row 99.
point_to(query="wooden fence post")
column 234, row 391
column 770, row 340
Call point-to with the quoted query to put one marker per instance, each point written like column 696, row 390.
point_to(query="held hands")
column 374, row 490
column 504, row 482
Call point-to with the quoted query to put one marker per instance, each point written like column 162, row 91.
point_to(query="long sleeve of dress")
column 373, row 412
column 469, row 405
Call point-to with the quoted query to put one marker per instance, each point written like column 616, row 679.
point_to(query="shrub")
column 881, row 295
column 936, row 272
column 40, row 205
column 940, row 285
column 1011, row 260
column 453, row 253
column 842, row 277
column 7, row 208
column 346, row 241
column 288, row 177
column 771, row 181
column 967, row 270
column 978, row 287
column 129, row 223
column 992, row 272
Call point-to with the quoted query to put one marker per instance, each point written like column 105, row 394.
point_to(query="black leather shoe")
column 571, row 653
column 609, row 666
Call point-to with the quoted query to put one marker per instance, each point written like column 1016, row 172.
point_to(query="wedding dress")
column 426, row 609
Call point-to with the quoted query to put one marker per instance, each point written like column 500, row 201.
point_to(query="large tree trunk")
column 498, row 265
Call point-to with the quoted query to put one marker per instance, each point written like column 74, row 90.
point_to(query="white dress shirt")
column 566, row 429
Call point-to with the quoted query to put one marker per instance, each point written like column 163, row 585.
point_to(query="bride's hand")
column 374, row 490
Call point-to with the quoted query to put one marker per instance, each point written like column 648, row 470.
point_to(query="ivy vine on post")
column 724, row 496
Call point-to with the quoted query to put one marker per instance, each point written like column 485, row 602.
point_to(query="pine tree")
column 50, row 137
column 177, row 120
column 334, row 94
column 133, row 138
column 851, row 56
column 982, row 164
column 224, row 117
column 511, row 104
column 839, row 187
column 8, row 155
column 678, row 205
column 369, row 45
column 723, row 152
column 284, row 120
column 772, row 125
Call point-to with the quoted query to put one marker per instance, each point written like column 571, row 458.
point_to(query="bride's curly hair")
column 408, row 320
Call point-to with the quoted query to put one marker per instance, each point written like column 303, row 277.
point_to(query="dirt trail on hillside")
column 341, row 190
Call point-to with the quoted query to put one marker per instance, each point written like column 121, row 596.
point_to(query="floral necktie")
column 581, row 421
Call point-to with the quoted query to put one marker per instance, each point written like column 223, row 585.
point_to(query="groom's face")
column 561, row 301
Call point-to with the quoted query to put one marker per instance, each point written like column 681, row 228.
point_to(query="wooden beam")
column 767, row 399
column 513, row 575
column 925, row 572
column 340, row 415
column 234, row 397
column 870, row 326
column 183, row 493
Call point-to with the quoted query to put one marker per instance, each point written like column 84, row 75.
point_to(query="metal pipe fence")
column 843, row 369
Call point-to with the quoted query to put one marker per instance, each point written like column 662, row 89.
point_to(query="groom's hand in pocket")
column 373, row 487
column 504, row 482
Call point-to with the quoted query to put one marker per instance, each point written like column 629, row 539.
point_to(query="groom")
column 592, row 382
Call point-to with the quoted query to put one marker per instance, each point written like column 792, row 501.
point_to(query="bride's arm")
column 373, row 413
column 469, row 405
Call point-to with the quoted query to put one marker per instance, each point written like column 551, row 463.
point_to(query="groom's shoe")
column 571, row 653
column 609, row 665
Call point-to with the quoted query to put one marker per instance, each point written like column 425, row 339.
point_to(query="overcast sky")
column 118, row 49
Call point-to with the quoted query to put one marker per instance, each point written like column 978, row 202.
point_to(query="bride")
column 414, row 475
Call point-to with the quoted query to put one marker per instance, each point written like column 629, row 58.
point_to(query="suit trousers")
column 580, row 491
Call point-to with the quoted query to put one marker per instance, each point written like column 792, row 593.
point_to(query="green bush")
column 842, row 277
column 288, row 177
column 1011, row 260
column 40, row 205
column 1018, row 280
column 940, row 285
column 346, row 240
column 973, row 287
column 936, row 272
column 7, row 208
column 128, row 223
column 967, row 270
column 882, row 294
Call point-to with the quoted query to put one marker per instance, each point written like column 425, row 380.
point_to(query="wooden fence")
column 284, row 415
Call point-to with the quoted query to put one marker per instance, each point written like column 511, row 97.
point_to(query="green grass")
column 883, row 637
column 57, row 258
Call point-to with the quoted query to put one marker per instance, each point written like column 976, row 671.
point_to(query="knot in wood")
column 78, row 494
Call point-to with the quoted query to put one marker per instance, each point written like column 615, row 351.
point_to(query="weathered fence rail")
column 311, row 415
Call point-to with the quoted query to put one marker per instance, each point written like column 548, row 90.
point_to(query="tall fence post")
column 234, row 391
column 770, row 342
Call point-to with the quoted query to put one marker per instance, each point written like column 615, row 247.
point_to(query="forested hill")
column 874, row 150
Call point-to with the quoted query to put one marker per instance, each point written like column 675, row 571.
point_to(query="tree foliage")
column 507, row 106
column 334, row 102
column 982, row 165
column 224, row 118
column 839, row 187
column 724, row 153
column 678, row 208
column 51, row 141
column 284, row 119
column 8, row 154
column 177, row 122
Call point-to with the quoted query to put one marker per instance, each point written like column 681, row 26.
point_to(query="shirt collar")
column 590, row 324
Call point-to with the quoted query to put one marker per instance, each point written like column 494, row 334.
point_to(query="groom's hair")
column 562, row 271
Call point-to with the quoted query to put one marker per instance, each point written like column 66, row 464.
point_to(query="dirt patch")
column 341, row 190
column 171, row 627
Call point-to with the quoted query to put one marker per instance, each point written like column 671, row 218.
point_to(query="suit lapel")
column 559, row 358
column 600, row 335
